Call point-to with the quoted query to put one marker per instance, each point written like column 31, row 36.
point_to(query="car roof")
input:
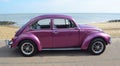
column 54, row 16
column 49, row 16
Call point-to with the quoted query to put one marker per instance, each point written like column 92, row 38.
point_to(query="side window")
column 41, row 24
column 63, row 23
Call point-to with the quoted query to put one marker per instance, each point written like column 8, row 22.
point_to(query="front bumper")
column 110, row 41
column 9, row 43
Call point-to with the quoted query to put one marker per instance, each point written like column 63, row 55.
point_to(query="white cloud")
column 55, row 5
column 70, row 6
column 63, row 6
column 5, row 0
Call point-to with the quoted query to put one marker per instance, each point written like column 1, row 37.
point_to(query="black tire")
column 97, row 46
column 28, row 48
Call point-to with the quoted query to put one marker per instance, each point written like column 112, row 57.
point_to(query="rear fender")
column 27, row 36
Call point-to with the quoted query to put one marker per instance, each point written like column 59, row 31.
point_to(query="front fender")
column 27, row 36
column 90, row 37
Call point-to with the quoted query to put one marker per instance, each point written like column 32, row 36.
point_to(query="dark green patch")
column 6, row 23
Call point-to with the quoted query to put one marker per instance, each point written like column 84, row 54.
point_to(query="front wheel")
column 28, row 48
column 97, row 46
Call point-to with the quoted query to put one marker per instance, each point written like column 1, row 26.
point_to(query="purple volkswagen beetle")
column 58, row 32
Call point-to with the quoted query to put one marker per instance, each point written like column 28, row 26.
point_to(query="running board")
column 62, row 49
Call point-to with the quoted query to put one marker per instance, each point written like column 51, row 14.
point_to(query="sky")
column 59, row 6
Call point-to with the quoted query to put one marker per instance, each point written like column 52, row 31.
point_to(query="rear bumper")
column 9, row 43
column 108, row 39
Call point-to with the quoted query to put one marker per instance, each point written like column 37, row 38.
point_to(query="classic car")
column 58, row 32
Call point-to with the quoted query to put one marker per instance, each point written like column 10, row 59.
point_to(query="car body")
column 58, row 32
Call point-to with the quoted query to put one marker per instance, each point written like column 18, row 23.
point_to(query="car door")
column 42, row 29
column 65, row 34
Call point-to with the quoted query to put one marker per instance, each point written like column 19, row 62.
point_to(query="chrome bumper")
column 9, row 43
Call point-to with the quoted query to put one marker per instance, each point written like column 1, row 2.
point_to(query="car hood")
column 88, row 27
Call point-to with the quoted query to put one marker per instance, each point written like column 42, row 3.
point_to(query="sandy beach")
column 113, row 29
column 7, row 32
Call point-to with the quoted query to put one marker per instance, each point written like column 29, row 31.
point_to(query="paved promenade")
column 111, row 57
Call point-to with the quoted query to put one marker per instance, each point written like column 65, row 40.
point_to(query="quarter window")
column 41, row 24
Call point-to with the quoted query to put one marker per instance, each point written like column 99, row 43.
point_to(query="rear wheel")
column 28, row 48
column 97, row 46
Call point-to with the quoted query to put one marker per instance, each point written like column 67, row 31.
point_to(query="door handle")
column 55, row 32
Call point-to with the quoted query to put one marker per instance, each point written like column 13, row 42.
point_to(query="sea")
column 81, row 18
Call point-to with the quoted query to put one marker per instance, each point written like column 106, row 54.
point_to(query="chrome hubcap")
column 97, row 47
column 27, row 48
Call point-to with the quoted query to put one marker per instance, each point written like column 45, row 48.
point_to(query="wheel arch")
column 99, row 38
column 37, row 43
column 26, row 40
